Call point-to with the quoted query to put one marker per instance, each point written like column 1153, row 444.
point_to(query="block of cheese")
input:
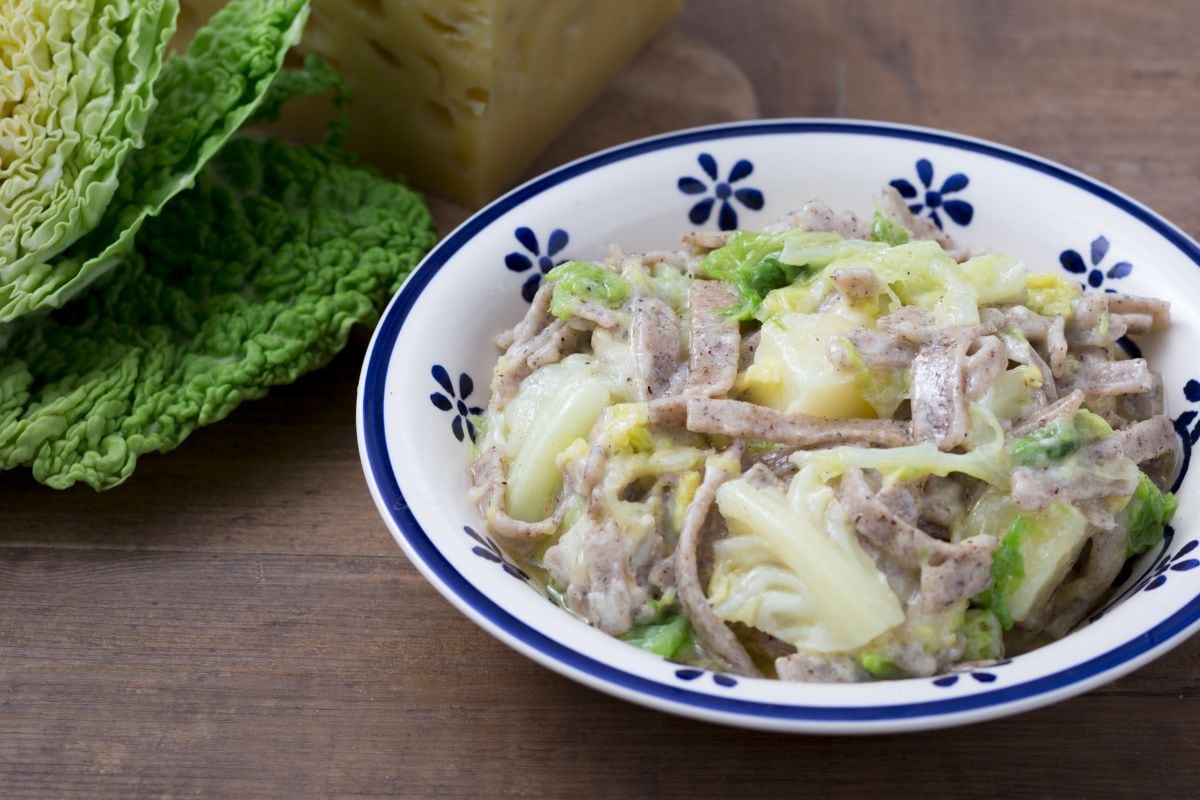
column 459, row 96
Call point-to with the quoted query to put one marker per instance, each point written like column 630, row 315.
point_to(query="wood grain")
column 248, row 675
column 1109, row 87
column 236, row 622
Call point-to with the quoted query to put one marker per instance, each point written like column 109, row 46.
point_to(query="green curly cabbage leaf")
column 74, row 103
column 203, row 98
column 246, row 281
column 313, row 77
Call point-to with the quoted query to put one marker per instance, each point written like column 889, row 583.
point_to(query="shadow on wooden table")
column 280, row 474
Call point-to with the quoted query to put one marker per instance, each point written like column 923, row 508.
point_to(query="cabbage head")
column 201, row 98
column 75, row 99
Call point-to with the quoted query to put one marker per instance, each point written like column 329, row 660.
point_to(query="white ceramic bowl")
column 431, row 357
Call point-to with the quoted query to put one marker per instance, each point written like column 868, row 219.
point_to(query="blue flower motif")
column 980, row 676
column 932, row 199
column 1187, row 427
column 1169, row 563
column 489, row 550
column 448, row 401
column 719, row 678
column 544, row 262
column 1073, row 262
column 722, row 191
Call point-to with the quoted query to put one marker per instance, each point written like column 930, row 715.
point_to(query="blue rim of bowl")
column 391, row 499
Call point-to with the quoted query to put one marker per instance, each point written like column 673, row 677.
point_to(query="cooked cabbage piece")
column 792, row 567
column 984, row 636
column 578, row 282
column 1149, row 511
column 988, row 461
column 1037, row 550
column 996, row 278
column 549, row 413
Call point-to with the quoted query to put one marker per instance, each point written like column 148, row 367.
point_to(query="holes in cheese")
column 460, row 96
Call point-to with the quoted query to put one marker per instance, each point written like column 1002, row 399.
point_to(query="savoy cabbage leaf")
column 75, row 99
column 246, row 281
column 202, row 97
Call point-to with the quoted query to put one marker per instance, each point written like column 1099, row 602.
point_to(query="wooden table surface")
column 235, row 621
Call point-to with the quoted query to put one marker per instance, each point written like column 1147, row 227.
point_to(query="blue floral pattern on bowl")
column 533, row 257
column 1178, row 562
column 488, row 550
column 1073, row 262
column 980, row 675
column 1187, row 426
column 456, row 404
column 719, row 678
column 929, row 200
column 722, row 192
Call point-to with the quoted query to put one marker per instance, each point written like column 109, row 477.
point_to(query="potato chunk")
column 792, row 371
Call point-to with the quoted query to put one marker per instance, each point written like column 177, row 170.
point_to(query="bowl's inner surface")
column 442, row 326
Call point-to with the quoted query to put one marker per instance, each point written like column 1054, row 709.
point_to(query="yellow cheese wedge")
column 459, row 96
